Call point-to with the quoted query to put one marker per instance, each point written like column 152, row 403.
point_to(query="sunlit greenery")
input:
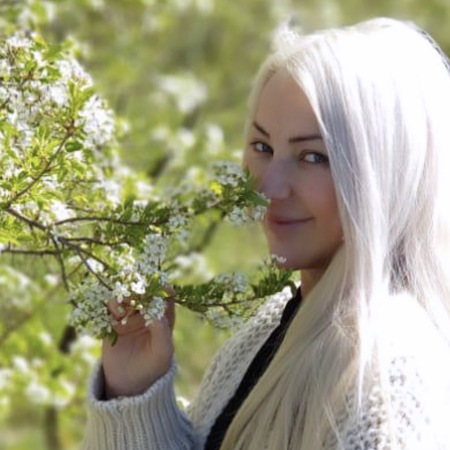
column 177, row 73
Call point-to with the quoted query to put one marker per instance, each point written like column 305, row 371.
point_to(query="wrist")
column 128, row 388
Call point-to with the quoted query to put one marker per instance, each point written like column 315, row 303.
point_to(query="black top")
column 253, row 374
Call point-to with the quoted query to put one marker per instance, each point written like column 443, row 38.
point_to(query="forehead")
column 283, row 107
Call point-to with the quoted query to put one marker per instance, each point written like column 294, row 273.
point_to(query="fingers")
column 128, row 318
column 117, row 310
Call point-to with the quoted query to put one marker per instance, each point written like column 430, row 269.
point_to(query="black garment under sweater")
column 253, row 374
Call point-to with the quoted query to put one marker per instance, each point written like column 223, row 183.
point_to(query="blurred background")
column 177, row 73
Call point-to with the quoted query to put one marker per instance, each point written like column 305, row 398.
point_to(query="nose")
column 275, row 182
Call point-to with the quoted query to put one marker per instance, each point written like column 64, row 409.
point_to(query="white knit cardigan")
column 419, row 378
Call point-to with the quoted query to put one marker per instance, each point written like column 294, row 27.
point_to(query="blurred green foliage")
column 178, row 73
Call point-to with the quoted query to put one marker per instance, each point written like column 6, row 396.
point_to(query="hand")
column 141, row 354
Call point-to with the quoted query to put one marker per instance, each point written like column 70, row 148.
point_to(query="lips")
column 281, row 225
column 280, row 220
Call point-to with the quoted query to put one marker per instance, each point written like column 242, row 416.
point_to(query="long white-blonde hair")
column 381, row 94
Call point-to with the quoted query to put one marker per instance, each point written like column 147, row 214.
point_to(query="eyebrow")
column 306, row 137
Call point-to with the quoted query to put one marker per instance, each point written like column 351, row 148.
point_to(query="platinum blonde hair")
column 381, row 94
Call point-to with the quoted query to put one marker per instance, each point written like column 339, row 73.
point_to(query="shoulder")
column 419, row 375
column 233, row 359
column 406, row 403
column 409, row 339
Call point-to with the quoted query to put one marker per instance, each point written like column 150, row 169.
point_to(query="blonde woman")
column 349, row 136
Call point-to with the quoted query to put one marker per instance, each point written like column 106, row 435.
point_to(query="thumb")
column 170, row 313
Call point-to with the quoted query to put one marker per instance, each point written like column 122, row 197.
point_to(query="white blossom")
column 17, row 42
column 64, row 393
column 235, row 282
column 90, row 313
column 20, row 364
column 154, row 252
column 71, row 69
column 177, row 221
column 112, row 189
column 242, row 216
column 5, row 72
column 51, row 279
column 154, row 311
column 228, row 173
column 5, row 378
column 139, row 285
column 277, row 259
column 120, row 292
column 183, row 402
column 187, row 91
column 59, row 95
column 37, row 392
column 45, row 338
column 221, row 320
column 237, row 216
column 59, row 210
column 97, row 122
column 193, row 264
column 84, row 348
column 215, row 139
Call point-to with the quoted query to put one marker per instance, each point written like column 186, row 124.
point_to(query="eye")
column 315, row 158
column 261, row 147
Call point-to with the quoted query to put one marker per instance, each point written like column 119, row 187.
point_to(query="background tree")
column 177, row 72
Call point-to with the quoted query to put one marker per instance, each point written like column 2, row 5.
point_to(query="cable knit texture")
column 419, row 394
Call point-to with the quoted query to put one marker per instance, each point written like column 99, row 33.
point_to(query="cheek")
column 322, row 200
column 330, row 210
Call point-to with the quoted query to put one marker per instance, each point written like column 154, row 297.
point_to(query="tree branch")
column 95, row 241
column 32, row 223
column 22, row 251
column 100, row 219
column 88, row 267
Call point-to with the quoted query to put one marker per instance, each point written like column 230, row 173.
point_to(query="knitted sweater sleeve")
column 151, row 421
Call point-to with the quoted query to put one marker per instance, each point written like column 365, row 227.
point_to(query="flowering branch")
column 60, row 167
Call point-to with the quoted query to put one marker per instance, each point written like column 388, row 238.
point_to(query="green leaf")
column 74, row 146
column 8, row 237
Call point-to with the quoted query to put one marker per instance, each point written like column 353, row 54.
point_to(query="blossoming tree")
column 76, row 225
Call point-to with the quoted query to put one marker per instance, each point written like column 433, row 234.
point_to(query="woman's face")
column 287, row 156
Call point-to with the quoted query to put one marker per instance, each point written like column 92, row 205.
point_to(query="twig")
column 61, row 263
column 22, row 251
column 96, row 275
column 32, row 223
column 94, row 241
column 100, row 219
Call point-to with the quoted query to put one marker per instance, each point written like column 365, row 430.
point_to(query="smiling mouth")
column 285, row 221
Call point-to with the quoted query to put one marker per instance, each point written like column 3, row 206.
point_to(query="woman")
column 348, row 136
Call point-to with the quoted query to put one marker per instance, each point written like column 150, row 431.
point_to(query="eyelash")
column 255, row 145
column 323, row 158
